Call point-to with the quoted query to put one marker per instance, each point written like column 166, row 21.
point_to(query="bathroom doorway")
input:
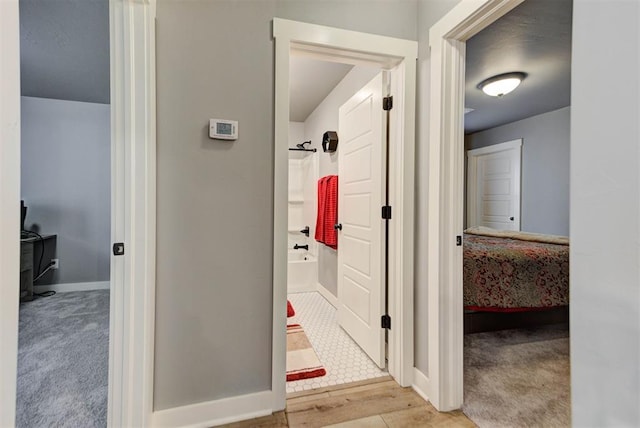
column 327, row 282
column 310, row 43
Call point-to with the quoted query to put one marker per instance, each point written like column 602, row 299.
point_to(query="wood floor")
column 376, row 403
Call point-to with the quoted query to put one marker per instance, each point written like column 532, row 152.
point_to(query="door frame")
column 472, row 178
column 9, row 199
column 133, row 216
column 340, row 45
column 446, row 194
column 132, row 282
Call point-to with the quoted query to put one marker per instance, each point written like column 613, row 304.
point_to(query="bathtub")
column 302, row 272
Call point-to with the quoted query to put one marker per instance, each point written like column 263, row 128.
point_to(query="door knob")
column 337, row 226
column 511, row 218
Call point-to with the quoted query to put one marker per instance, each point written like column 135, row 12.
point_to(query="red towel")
column 331, row 212
column 319, row 236
column 327, row 211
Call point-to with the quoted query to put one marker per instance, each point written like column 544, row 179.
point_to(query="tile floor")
column 344, row 361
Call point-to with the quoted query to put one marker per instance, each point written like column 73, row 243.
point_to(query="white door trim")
column 9, row 200
column 132, row 28
column 133, row 217
column 494, row 148
column 386, row 52
column 472, row 177
column 446, row 194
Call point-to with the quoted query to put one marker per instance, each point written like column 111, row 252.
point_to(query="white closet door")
column 493, row 191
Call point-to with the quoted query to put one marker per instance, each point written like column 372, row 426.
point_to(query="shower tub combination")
column 302, row 272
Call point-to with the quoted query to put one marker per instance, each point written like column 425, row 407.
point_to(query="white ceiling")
column 534, row 38
column 310, row 81
column 64, row 49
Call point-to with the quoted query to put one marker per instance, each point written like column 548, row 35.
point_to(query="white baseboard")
column 420, row 384
column 306, row 288
column 328, row 295
column 72, row 286
column 217, row 412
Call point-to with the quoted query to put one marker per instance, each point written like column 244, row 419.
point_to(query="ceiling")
column 534, row 38
column 65, row 55
column 64, row 49
column 310, row 82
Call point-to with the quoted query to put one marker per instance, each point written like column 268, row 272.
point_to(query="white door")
column 360, row 190
column 493, row 191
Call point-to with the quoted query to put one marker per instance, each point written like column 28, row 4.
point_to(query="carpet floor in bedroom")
column 63, row 360
column 518, row 378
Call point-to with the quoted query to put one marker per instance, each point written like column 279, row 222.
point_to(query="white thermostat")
column 222, row 129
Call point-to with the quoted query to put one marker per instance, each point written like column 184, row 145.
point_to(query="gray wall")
column 66, row 182
column 545, row 168
column 395, row 18
column 429, row 12
column 215, row 199
column 605, row 214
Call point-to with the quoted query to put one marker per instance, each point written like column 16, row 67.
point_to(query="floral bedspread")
column 509, row 275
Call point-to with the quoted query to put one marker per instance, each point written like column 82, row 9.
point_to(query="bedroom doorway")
column 358, row 49
column 449, row 40
column 131, row 308
column 516, row 284
column 323, row 265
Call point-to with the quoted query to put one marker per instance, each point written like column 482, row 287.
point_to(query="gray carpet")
column 518, row 378
column 63, row 360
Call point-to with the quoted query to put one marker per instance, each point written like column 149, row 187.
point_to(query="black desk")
column 28, row 262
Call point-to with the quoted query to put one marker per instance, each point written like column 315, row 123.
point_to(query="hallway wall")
column 215, row 199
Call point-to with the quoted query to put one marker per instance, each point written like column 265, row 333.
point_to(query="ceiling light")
column 501, row 84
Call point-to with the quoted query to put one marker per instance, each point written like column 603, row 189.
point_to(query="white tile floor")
column 344, row 360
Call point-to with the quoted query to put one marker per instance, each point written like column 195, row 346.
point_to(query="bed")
column 508, row 272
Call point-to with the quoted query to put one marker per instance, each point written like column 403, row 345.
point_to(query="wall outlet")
column 55, row 263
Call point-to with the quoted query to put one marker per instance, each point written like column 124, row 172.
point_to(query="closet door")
column 493, row 188
column 360, row 190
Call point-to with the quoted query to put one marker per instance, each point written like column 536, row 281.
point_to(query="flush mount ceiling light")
column 501, row 84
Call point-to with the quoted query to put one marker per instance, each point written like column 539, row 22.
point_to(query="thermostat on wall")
column 222, row 129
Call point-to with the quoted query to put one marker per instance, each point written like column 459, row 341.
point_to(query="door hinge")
column 118, row 249
column 387, row 103
column 458, row 241
column 386, row 212
column 386, row 322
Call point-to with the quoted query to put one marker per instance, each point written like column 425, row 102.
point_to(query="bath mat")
column 302, row 360
column 290, row 311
